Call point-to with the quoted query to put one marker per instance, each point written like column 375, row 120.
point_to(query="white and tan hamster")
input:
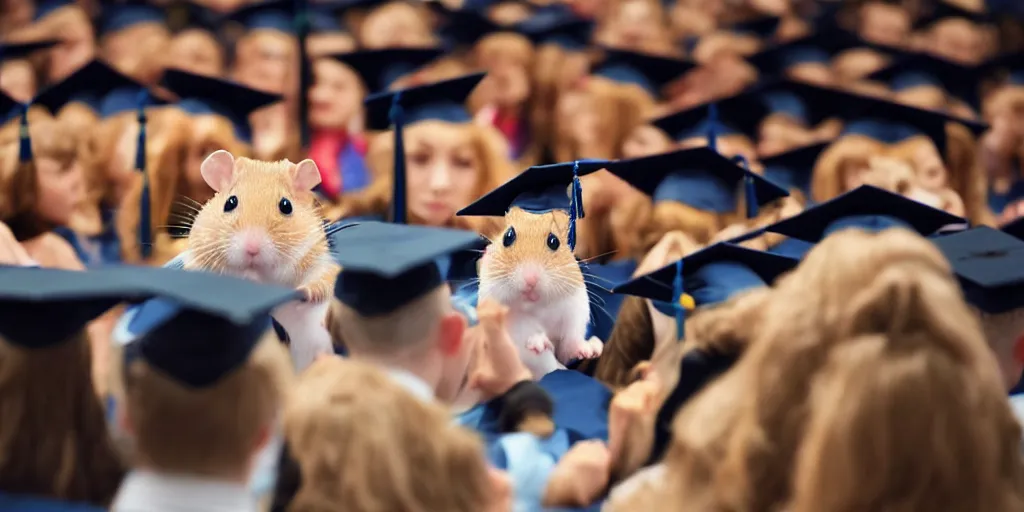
column 532, row 270
column 264, row 224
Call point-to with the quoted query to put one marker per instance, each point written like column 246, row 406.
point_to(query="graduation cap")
column 865, row 207
column 464, row 27
column 943, row 10
column 794, row 169
column 817, row 48
column 1015, row 228
column 698, row 177
column 199, row 95
column 561, row 29
column 197, row 16
column 42, row 307
column 276, row 15
column 762, row 27
column 986, row 261
column 540, row 189
column 45, row 7
column 926, row 70
column 202, row 326
column 386, row 266
column 381, row 68
column 1011, row 63
column 650, row 72
column 740, row 114
column 802, row 102
column 9, row 107
column 97, row 85
column 116, row 17
column 11, row 50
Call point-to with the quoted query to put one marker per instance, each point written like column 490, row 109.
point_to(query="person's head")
column 136, row 50
column 884, row 23
column 411, row 455
column 921, row 154
column 596, row 121
column 645, row 140
column 18, row 79
column 336, row 96
column 214, row 430
column 324, row 44
column 266, row 59
column 928, row 97
column 780, row 133
column 668, row 216
column 396, row 24
column 196, row 51
column 72, row 27
column 448, row 166
column 424, row 335
column 958, row 40
column 903, row 422
column 507, row 58
column 857, row 63
column 636, row 25
column 58, row 451
column 840, row 168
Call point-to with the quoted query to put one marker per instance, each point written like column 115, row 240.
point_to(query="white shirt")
column 145, row 491
column 412, row 384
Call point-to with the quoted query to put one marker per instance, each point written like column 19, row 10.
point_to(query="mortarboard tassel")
column 395, row 115
column 24, row 139
column 575, row 204
column 749, row 190
column 713, row 126
column 682, row 302
column 145, row 221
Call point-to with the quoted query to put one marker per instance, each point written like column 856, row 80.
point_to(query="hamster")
column 263, row 223
column 531, row 270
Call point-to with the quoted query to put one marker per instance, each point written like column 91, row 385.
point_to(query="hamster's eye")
column 553, row 242
column 285, row 206
column 510, row 237
column 231, row 204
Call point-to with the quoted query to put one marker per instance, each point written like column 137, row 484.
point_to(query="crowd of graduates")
column 512, row 255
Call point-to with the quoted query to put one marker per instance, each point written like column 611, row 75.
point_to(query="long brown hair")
column 828, row 179
column 53, row 438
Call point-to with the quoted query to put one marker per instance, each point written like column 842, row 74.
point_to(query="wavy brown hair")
column 53, row 439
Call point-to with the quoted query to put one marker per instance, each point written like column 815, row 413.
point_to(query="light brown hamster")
column 263, row 223
column 533, row 272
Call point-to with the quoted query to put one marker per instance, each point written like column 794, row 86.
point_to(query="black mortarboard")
column 199, row 95
column 381, row 68
column 650, row 72
column 737, row 114
column 987, row 263
column 1012, row 63
column 819, row 48
column 9, row 107
column 794, row 169
column 441, row 101
column 464, row 27
column 698, row 177
column 803, row 102
column 865, row 207
column 386, row 266
column 42, row 307
column 925, row 70
column 192, row 15
column 540, row 189
column 942, row 10
column 1015, row 228
column 269, row 15
column 45, row 7
column 11, row 50
column 202, row 326
column 116, row 16
column 97, row 85
column 562, row 29
column 762, row 27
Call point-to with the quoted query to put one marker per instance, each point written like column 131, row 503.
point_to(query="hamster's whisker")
column 592, row 258
column 190, row 200
column 592, row 276
column 193, row 209
column 602, row 310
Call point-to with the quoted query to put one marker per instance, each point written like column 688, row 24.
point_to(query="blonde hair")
column 53, row 438
column 828, row 178
column 410, row 456
column 966, row 175
column 903, row 423
column 619, row 108
column 209, row 431
column 668, row 216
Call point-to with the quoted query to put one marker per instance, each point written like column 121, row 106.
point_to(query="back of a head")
column 406, row 331
column 904, row 424
column 213, row 430
column 54, row 436
column 406, row 453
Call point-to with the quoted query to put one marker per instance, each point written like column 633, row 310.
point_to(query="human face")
column 857, row 63
column 196, row 51
column 780, row 135
column 930, row 170
column 926, row 97
column 395, row 25
column 76, row 49
column 61, row 189
column 884, row 24
column 323, row 45
column 336, row 95
column 812, row 72
column 645, row 140
column 958, row 40
column 18, row 80
column 443, row 168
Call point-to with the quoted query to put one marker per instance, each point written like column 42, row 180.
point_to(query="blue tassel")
column 575, row 204
column 398, row 199
column 24, row 139
column 677, row 295
column 713, row 126
column 749, row 188
column 145, row 222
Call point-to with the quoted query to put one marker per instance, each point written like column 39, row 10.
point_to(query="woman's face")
column 336, row 95
column 811, row 72
column 645, row 140
column 61, row 189
column 18, row 80
column 957, row 40
column 857, row 63
column 196, row 51
column 396, row 25
column 75, row 50
column 325, row 44
column 929, row 168
column 443, row 168
column 268, row 62
column 926, row 97
column 780, row 135
column 884, row 24
column 636, row 27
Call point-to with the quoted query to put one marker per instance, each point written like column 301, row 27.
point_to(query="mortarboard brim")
column 200, row 95
column 650, row 72
column 987, row 263
column 12, row 50
column 539, row 189
column 794, row 169
column 381, row 68
column 441, row 101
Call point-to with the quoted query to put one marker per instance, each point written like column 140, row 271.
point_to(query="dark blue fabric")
column 18, row 503
column 97, row 250
column 605, row 305
column 355, row 176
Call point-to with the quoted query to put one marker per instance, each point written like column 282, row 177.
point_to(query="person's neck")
column 412, row 366
column 238, row 476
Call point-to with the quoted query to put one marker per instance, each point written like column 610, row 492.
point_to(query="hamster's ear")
column 305, row 175
column 218, row 170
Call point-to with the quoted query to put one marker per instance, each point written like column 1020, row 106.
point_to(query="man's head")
column 426, row 335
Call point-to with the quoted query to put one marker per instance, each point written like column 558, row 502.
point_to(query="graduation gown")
column 529, row 459
column 20, row 503
column 604, row 305
column 95, row 250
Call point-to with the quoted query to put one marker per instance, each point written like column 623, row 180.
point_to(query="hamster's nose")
column 252, row 247
column 530, row 278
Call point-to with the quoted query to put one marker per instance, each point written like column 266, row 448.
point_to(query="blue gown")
column 354, row 174
column 20, row 503
column 605, row 305
column 529, row 462
column 96, row 250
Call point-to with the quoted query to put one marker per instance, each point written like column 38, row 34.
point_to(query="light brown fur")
column 532, row 231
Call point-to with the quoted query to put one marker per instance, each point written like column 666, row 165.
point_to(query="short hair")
column 362, row 440
column 209, row 430
column 404, row 329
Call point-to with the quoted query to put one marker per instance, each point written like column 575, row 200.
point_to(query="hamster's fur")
column 264, row 224
column 548, row 318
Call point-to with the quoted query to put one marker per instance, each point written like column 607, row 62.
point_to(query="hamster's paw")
column 581, row 350
column 596, row 345
column 539, row 343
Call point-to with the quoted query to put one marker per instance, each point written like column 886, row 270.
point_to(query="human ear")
column 451, row 329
